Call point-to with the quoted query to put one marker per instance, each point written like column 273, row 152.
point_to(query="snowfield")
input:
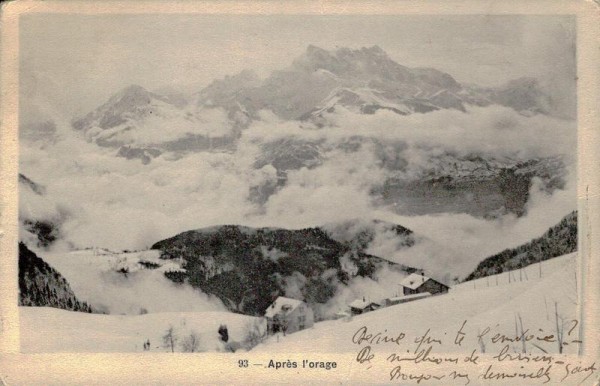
column 45, row 329
column 497, row 307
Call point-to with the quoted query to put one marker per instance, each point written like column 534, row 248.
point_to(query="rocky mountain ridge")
column 363, row 80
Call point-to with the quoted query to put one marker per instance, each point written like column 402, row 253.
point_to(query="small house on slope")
column 360, row 306
column 416, row 284
column 288, row 315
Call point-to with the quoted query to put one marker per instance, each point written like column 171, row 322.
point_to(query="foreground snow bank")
column 46, row 329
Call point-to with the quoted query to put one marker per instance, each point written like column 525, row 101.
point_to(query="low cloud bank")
column 108, row 201
column 95, row 279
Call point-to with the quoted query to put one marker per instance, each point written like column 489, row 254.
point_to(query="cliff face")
column 42, row 286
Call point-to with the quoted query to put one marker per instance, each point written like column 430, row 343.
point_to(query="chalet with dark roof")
column 416, row 284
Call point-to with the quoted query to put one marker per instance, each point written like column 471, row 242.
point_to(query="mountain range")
column 364, row 80
column 140, row 124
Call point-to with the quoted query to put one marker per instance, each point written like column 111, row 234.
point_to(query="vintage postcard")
column 297, row 192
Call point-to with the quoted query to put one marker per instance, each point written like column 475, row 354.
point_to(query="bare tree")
column 170, row 339
column 191, row 343
column 516, row 332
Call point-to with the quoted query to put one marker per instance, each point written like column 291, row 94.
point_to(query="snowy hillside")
column 481, row 306
column 247, row 268
column 42, row 286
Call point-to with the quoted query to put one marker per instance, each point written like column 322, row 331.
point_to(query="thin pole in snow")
column 576, row 288
column 520, row 274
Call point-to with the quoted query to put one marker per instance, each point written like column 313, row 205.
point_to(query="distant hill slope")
column 559, row 240
column 247, row 268
column 43, row 227
column 41, row 285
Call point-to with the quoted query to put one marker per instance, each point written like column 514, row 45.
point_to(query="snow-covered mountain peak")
column 132, row 102
column 316, row 86
column 224, row 91
column 132, row 92
column 351, row 63
column 132, row 96
column 143, row 124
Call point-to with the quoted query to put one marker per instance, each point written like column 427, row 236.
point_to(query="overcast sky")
column 72, row 63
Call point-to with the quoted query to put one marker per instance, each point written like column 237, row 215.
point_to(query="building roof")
column 407, row 297
column 282, row 304
column 414, row 281
column 361, row 304
column 342, row 314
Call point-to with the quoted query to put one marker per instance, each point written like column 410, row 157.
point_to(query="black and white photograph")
column 398, row 189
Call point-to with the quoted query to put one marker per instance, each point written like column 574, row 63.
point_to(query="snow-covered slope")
column 481, row 306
